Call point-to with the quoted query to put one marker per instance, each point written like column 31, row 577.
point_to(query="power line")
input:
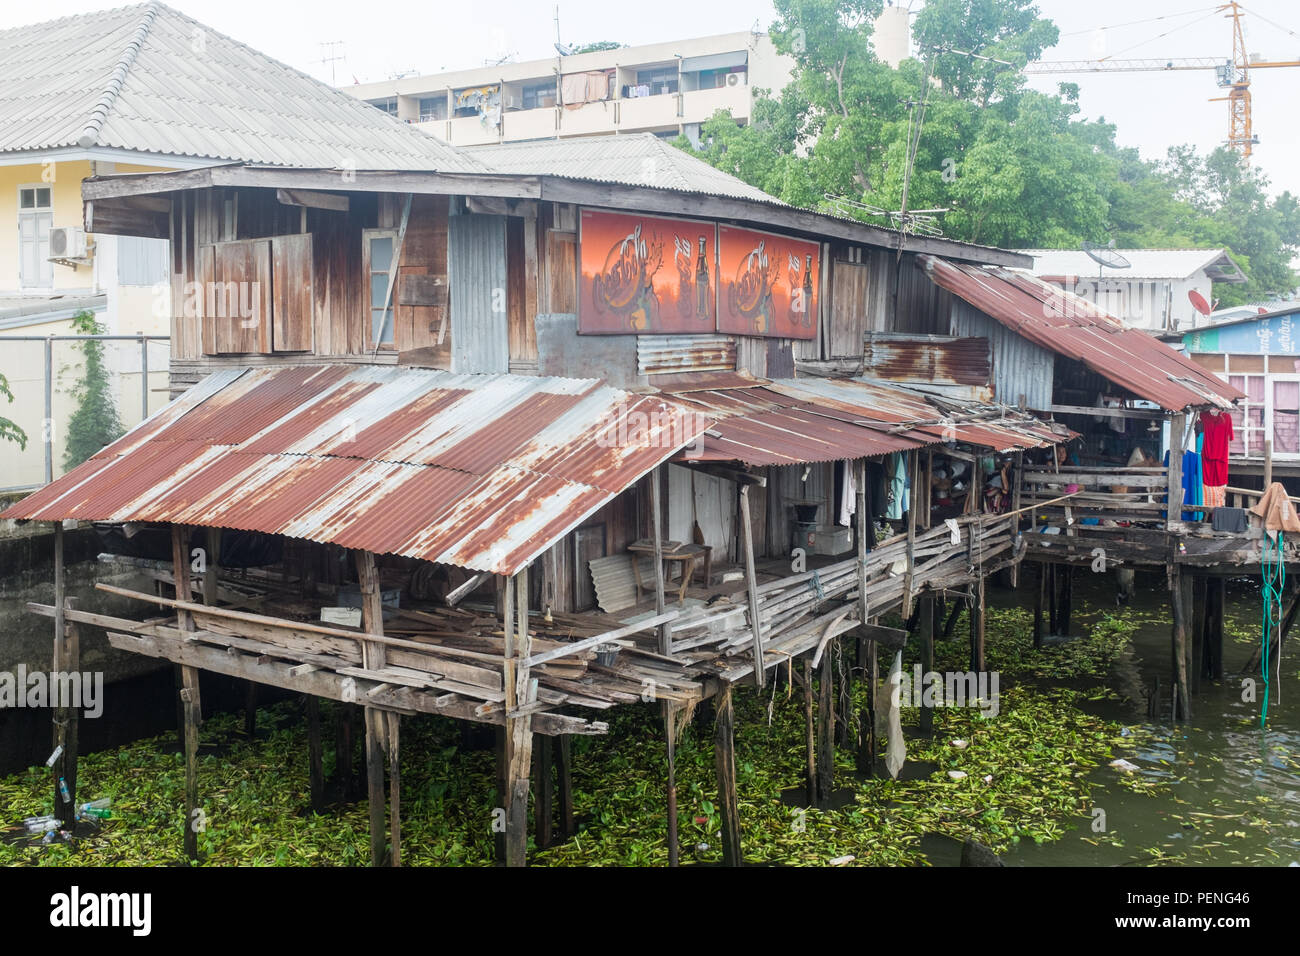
column 1133, row 23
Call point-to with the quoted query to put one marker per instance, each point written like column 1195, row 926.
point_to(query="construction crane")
column 1231, row 74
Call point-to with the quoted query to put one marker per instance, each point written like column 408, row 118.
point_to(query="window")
column 35, row 218
column 1248, row 417
column 661, row 79
column 378, row 254
column 713, row 79
column 1285, row 414
column 389, row 105
column 538, row 95
column 433, row 108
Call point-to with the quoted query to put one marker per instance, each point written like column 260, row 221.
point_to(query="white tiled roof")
column 1143, row 263
column 148, row 78
column 633, row 159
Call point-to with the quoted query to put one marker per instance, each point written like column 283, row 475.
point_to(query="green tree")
column 95, row 423
column 8, row 430
column 599, row 46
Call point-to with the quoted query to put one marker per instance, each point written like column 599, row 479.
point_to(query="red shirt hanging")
column 1217, row 430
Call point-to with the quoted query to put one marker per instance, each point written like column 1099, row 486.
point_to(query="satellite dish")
column 1262, row 310
column 1105, row 256
column 1198, row 302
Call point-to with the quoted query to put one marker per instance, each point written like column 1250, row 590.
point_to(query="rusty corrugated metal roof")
column 800, row 420
column 928, row 359
column 1072, row 326
column 481, row 471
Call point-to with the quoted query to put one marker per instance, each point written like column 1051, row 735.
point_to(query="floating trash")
column 957, row 774
column 1124, row 766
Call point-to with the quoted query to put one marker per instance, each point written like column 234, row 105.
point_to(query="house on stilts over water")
column 604, row 421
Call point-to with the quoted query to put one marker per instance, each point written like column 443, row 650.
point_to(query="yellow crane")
column 1232, row 75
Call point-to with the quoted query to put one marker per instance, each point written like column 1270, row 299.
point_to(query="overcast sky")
column 1152, row 110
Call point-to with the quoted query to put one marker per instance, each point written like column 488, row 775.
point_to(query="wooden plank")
column 751, row 587
column 724, row 759
column 293, row 300
column 335, row 202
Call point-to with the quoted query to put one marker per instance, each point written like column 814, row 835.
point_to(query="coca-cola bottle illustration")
column 702, row 283
column 807, row 291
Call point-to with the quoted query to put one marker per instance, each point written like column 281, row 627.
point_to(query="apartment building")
column 661, row 88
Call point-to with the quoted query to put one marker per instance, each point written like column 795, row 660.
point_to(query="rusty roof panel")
column 484, row 471
column 1072, row 326
column 927, row 359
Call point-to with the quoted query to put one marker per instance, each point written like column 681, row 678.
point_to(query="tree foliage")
column 9, row 431
column 95, row 423
column 1011, row 166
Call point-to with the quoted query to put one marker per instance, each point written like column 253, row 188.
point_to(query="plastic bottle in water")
column 97, row 808
column 63, row 791
column 42, row 824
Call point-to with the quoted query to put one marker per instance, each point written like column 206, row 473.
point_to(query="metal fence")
column 17, row 356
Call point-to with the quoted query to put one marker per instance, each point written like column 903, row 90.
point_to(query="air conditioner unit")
column 67, row 242
column 735, row 79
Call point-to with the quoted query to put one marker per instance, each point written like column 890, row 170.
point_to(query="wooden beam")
column 57, row 657
column 564, row 779
column 810, row 737
column 394, row 785
column 751, row 585
column 724, row 760
column 335, row 202
column 520, row 693
column 1144, row 414
column 373, row 658
column 194, row 823
column 925, row 627
column 315, row 763
column 909, row 572
column 826, row 729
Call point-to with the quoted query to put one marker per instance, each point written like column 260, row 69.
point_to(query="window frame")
column 45, row 268
column 367, row 236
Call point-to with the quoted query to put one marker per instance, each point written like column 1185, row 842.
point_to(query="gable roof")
column 1143, row 264
column 636, row 159
column 149, row 79
column 1071, row 326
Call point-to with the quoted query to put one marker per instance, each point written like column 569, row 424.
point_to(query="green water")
column 1231, row 790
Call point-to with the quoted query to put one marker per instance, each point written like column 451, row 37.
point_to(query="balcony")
column 648, row 112
column 530, row 124
column 699, row 105
column 587, row 119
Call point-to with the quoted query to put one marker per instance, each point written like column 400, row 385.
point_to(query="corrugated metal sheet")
column 484, row 472
column 931, row 359
column 803, row 420
column 476, row 274
column 1074, row 327
column 149, row 78
column 665, row 354
column 637, row 159
column 1020, row 368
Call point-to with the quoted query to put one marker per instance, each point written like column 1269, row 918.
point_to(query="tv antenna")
column 1105, row 256
column 331, row 57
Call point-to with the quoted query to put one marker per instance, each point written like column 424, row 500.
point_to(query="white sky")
column 1152, row 110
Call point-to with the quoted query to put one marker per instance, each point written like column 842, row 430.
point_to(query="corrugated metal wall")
column 1019, row 366
column 476, row 273
column 657, row 354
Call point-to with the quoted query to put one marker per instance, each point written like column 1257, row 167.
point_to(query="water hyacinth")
column 1026, row 778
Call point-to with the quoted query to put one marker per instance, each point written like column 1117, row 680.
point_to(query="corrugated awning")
column 1072, row 326
column 804, row 420
column 481, row 471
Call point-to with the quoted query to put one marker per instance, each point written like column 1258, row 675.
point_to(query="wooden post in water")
column 315, row 763
column 1182, row 688
column 1214, row 624
column 1194, row 598
column 866, row 647
column 394, row 784
column 71, row 665
column 1040, row 597
column 193, row 707
column 810, row 738
column 826, row 725
column 343, row 747
column 1015, row 510
column 520, row 691
column 545, row 788
column 912, row 500
column 666, row 649
column 925, row 626
column 564, row 775
column 977, row 626
column 373, row 658
column 724, row 758
column 59, row 728
column 751, row 582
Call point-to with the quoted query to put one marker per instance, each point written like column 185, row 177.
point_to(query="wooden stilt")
column 503, row 791
column 343, row 747
column 724, row 757
column 250, row 709
column 826, row 725
column 544, row 788
column 520, row 691
column 372, row 621
column 666, row 649
column 1183, row 710
column 1040, row 597
column 375, row 785
column 672, row 782
column 866, row 647
column 810, row 739
column 564, row 777
column 751, row 583
column 1053, row 597
column 63, row 810
column 315, row 763
column 193, row 708
column 71, row 665
column 1217, row 589
column 925, row 628
column 977, row 627
column 1194, row 591
column 394, row 785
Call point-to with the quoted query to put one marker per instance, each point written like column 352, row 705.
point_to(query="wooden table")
column 672, row 551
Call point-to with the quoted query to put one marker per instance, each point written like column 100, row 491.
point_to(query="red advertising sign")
column 768, row 284
column 644, row 274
